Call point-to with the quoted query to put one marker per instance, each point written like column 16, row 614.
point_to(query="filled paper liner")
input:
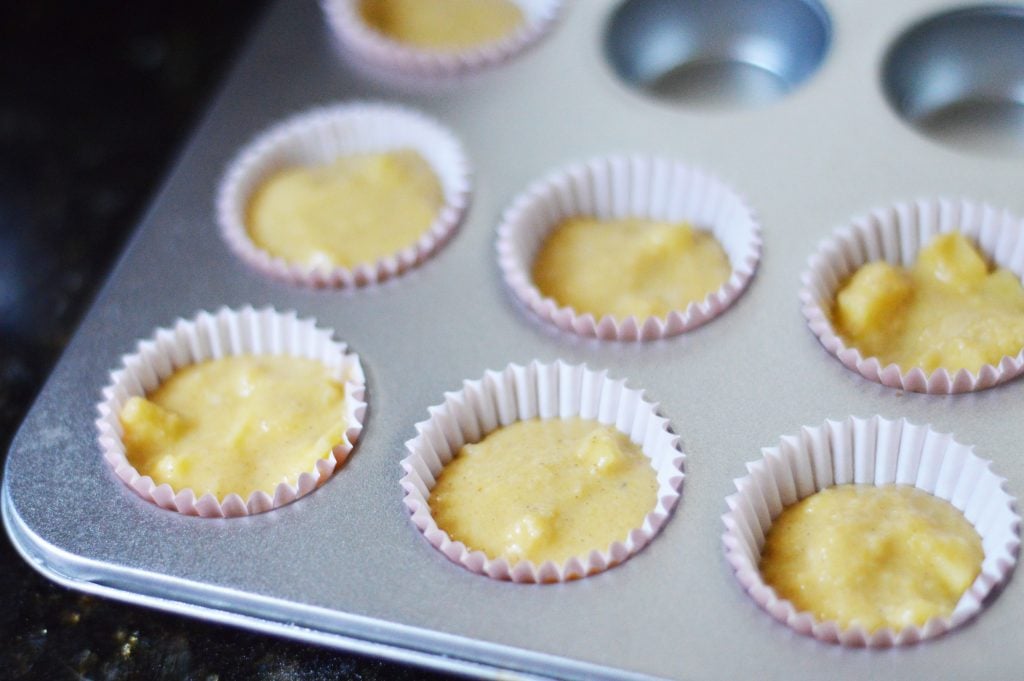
column 213, row 336
column 872, row 451
column 320, row 136
column 619, row 187
column 546, row 391
column 896, row 234
column 367, row 45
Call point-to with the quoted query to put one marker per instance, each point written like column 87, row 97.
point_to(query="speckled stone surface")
column 96, row 98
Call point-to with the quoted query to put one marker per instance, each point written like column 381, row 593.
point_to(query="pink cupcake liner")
column 872, row 451
column 320, row 136
column 545, row 391
column 896, row 234
column 618, row 187
column 367, row 45
column 212, row 336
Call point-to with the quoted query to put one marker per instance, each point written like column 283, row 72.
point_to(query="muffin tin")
column 345, row 566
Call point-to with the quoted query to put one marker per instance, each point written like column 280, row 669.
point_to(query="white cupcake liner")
column 320, row 136
column 896, row 234
column 872, row 451
column 545, row 391
column 617, row 187
column 369, row 46
column 212, row 336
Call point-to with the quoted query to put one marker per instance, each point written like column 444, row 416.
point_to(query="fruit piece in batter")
column 948, row 311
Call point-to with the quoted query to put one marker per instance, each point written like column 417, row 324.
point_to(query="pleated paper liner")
column 871, row 451
column 896, row 234
column 545, row 391
column 620, row 187
column 213, row 336
column 368, row 46
column 320, row 136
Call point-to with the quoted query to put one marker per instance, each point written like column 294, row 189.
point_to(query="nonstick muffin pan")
column 814, row 113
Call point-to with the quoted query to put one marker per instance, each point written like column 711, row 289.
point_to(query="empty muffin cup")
column 874, row 451
column 328, row 135
column 896, row 234
column 434, row 56
column 734, row 53
column 541, row 392
column 628, row 188
column 226, row 334
column 958, row 77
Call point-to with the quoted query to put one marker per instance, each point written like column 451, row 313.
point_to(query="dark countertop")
column 96, row 98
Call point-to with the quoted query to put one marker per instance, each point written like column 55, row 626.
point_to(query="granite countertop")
column 96, row 99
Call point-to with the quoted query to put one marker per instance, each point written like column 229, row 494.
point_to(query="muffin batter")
column 947, row 311
column 237, row 424
column 354, row 211
column 629, row 267
column 889, row 556
column 545, row 490
column 442, row 24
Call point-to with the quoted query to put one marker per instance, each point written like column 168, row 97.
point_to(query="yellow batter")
column 545, row 490
column 237, row 424
column 629, row 267
column 887, row 556
column 356, row 210
column 947, row 311
column 442, row 24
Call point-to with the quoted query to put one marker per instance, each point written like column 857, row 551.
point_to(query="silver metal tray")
column 344, row 566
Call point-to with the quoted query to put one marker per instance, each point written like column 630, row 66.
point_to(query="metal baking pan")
column 344, row 566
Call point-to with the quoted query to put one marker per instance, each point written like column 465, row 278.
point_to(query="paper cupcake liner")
column 617, row 187
column 545, row 391
column 872, row 451
column 896, row 234
column 212, row 336
column 369, row 46
column 320, row 136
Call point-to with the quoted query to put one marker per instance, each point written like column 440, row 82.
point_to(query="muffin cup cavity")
column 981, row 109
column 368, row 46
column 896, row 234
column 320, row 136
column 208, row 336
column 546, row 391
column 870, row 451
column 619, row 187
column 681, row 53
